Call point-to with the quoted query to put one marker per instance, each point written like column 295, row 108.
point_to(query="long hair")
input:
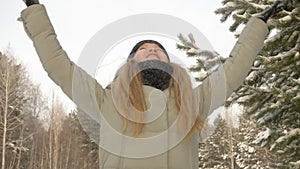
column 130, row 99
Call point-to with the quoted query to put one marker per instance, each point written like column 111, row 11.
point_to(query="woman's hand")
column 271, row 11
column 31, row 2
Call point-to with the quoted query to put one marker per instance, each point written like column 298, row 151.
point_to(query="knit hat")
column 139, row 44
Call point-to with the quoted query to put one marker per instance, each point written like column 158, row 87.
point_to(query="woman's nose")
column 152, row 50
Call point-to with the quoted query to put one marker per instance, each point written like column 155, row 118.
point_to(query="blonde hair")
column 130, row 99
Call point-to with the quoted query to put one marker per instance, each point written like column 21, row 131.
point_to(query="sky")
column 75, row 22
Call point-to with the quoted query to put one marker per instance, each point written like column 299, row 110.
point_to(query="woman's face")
column 150, row 51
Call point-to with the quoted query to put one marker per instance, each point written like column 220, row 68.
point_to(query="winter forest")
column 36, row 133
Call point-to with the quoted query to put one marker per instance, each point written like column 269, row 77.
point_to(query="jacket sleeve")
column 215, row 89
column 74, row 81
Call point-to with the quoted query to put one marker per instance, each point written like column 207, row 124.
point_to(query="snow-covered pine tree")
column 271, row 93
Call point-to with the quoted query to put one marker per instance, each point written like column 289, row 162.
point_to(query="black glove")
column 267, row 13
column 32, row 2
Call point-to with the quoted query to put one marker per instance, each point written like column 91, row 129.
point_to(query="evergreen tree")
column 82, row 151
column 271, row 93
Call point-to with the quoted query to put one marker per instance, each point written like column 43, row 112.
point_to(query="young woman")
column 126, row 106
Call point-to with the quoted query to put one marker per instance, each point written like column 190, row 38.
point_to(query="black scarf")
column 156, row 73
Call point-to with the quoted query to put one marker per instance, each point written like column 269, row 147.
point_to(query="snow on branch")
column 262, row 136
column 274, row 38
column 230, row 4
column 297, row 80
column 296, row 164
column 259, row 6
column 293, row 133
column 187, row 43
column 289, row 15
column 241, row 17
column 285, row 19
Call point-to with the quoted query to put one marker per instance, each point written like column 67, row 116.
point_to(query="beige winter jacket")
column 161, row 153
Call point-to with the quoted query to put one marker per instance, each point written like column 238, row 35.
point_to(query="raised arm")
column 219, row 86
column 74, row 81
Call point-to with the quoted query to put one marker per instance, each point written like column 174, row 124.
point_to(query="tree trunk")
column 50, row 148
column 21, row 145
column 230, row 136
column 5, row 121
column 43, row 151
column 68, row 151
column 32, row 154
